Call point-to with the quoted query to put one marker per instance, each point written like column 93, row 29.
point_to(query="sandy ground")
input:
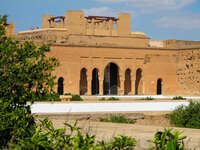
column 143, row 130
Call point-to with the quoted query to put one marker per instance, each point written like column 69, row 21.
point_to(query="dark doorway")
column 60, row 89
column 159, row 86
column 127, row 82
column 95, row 82
column 110, row 83
column 83, row 81
column 138, row 82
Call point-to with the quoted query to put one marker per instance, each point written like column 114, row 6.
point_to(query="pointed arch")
column 138, row 82
column 83, row 81
column 95, row 81
column 111, row 79
column 127, row 82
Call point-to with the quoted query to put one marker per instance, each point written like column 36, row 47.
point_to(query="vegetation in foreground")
column 168, row 140
column 117, row 119
column 186, row 116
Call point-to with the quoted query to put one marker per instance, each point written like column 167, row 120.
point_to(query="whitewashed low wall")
column 105, row 107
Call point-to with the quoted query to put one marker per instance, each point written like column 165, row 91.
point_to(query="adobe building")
column 100, row 55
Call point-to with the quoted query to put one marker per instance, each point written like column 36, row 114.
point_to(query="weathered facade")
column 101, row 56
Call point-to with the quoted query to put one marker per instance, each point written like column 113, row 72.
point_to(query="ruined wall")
column 188, row 71
column 10, row 29
column 61, row 35
column 44, row 36
column 180, row 43
column 110, row 41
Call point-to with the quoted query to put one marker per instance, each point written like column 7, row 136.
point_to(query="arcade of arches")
column 112, row 83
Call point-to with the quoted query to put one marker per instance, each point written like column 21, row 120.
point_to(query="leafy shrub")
column 117, row 119
column 148, row 98
column 166, row 140
column 76, row 98
column 109, row 99
column 178, row 98
column 46, row 136
column 52, row 97
column 67, row 94
column 186, row 116
column 102, row 99
column 120, row 142
column 113, row 99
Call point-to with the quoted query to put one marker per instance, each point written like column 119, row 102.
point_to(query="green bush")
column 178, row 98
column 148, row 98
column 117, row 119
column 46, row 136
column 109, row 99
column 76, row 98
column 52, row 97
column 186, row 116
column 102, row 99
column 67, row 94
column 166, row 140
column 113, row 99
column 120, row 142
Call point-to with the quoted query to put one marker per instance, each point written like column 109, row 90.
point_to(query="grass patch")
column 148, row 98
column 117, row 119
column 109, row 99
column 76, row 98
column 102, row 99
column 113, row 99
column 67, row 94
column 178, row 98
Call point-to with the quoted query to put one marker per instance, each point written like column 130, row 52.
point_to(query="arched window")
column 83, row 81
column 95, row 82
column 127, row 82
column 138, row 82
column 159, row 86
column 60, row 86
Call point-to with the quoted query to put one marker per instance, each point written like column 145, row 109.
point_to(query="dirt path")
column 142, row 131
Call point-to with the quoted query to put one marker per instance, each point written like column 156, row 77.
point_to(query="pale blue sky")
column 159, row 19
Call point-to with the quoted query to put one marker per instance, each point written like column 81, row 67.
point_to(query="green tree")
column 25, row 75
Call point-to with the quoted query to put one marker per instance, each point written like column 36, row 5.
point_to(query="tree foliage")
column 186, row 116
column 25, row 75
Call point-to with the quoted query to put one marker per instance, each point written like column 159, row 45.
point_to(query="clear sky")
column 159, row 19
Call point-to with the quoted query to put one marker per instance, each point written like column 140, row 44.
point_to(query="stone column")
column 101, row 77
column 122, row 79
column 89, row 82
column 111, row 26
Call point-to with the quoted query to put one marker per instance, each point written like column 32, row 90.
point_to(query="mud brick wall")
column 188, row 71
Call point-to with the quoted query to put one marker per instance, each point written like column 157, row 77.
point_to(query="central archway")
column 111, row 77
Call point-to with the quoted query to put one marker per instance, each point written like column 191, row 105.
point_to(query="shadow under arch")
column 159, row 86
column 83, row 81
column 111, row 79
column 95, row 81
column 138, row 82
column 127, row 82
column 60, row 89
